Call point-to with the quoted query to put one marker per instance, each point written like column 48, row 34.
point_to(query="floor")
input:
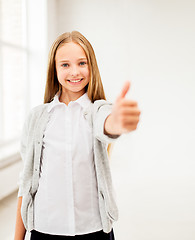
column 7, row 213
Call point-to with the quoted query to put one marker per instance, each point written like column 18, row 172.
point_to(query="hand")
column 125, row 114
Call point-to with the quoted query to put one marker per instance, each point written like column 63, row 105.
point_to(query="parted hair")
column 94, row 88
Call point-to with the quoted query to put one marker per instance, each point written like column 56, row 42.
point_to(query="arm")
column 20, row 230
column 124, row 117
column 109, row 126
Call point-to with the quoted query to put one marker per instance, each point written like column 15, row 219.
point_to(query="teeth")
column 76, row 80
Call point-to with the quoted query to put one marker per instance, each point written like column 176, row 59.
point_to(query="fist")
column 125, row 114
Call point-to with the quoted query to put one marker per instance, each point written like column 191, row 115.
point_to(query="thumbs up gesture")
column 125, row 114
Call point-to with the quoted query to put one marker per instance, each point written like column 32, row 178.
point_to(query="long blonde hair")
column 94, row 88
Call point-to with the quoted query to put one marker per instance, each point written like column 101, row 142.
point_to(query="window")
column 23, row 64
column 13, row 70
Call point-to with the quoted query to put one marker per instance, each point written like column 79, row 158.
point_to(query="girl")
column 65, row 189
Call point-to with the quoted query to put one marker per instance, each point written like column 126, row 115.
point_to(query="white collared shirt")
column 66, row 202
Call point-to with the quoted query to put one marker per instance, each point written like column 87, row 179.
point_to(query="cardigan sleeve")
column 101, row 111
column 23, row 144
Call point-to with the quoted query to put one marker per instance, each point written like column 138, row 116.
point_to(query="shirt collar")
column 83, row 101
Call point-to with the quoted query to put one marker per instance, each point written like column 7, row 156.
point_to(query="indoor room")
column 149, row 44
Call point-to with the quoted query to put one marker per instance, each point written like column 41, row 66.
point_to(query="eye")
column 65, row 65
column 82, row 63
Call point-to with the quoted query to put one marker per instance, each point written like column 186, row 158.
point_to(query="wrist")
column 110, row 127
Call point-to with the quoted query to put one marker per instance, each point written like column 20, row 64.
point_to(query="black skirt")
column 100, row 235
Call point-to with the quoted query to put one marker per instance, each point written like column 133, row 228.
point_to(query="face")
column 72, row 70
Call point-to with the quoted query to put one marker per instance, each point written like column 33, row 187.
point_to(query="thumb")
column 124, row 91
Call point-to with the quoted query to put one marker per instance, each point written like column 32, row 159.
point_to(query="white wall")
column 52, row 22
column 37, row 44
column 150, row 43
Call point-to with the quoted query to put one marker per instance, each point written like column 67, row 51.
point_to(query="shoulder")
column 38, row 109
column 36, row 112
column 99, row 103
column 101, row 109
column 101, row 106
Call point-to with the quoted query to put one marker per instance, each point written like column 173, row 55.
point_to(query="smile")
column 75, row 80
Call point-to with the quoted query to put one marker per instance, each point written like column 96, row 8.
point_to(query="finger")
column 126, row 102
column 131, row 111
column 130, row 127
column 125, row 89
column 130, row 120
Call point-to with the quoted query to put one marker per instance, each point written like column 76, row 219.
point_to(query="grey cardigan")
column 31, row 148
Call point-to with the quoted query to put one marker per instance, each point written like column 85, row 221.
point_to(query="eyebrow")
column 64, row 60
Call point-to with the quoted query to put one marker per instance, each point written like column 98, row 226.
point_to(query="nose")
column 74, row 71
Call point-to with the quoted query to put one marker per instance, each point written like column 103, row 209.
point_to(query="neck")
column 67, row 97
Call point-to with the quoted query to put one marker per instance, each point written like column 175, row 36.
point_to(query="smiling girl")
column 72, row 71
column 66, row 187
